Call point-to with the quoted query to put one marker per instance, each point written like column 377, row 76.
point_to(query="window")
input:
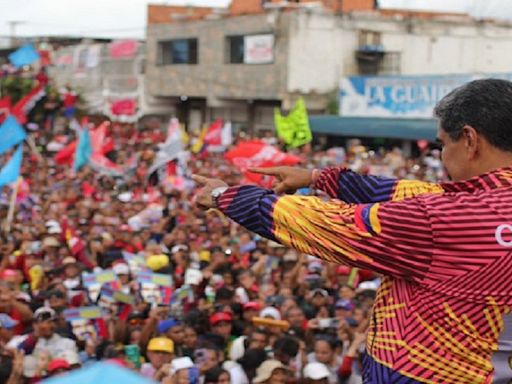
column 250, row 49
column 369, row 38
column 179, row 51
column 235, row 53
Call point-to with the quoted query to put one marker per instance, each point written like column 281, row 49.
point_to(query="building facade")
column 240, row 66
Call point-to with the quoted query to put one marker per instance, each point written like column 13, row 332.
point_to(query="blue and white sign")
column 399, row 96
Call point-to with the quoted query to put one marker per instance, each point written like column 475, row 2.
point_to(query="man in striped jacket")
column 442, row 313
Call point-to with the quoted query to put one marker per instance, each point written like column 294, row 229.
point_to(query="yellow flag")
column 294, row 129
column 198, row 145
column 185, row 138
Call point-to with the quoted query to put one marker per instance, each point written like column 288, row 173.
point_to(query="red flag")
column 214, row 134
column 75, row 244
column 45, row 57
column 256, row 153
column 99, row 144
column 65, row 155
column 23, row 107
column 5, row 107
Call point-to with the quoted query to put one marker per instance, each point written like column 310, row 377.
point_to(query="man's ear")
column 471, row 141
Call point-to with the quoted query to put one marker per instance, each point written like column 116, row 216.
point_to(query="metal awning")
column 391, row 128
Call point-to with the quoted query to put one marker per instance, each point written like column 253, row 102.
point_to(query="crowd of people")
column 237, row 308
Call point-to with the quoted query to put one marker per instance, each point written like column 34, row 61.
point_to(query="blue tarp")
column 100, row 373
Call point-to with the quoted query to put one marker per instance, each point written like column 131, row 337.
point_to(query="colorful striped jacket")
column 442, row 313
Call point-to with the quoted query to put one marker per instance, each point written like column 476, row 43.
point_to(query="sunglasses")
column 45, row 316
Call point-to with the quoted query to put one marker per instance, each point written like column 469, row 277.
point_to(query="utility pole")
column 12, row 27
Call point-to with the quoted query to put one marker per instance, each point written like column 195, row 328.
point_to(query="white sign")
column 258, row 49
column 400, row 96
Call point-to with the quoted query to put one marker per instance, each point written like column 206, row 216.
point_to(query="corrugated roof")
column 392, row 128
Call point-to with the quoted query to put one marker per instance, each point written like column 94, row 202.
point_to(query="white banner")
column 93, row 56
column 259, row 49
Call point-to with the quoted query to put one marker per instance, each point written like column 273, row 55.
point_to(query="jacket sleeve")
column 351, row 187
column 393, row 238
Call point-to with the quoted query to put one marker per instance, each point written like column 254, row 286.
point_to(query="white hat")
column 121, row 269
column 181, row 363
column 193, row 276
column 270, row 312
column 373, row 285
column 316, row 371
column 265, row 370
column 178, row 248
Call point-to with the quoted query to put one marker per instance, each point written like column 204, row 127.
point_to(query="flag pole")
column 12, row 205
column 32, row 145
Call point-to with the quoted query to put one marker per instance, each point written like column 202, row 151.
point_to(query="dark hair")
column 252, row 359
column 485, row 105
column 224, row 293
column 287, row 345
column 329, row 340
column 212, row 375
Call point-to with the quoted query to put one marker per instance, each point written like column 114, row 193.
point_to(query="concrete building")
column 241, row 62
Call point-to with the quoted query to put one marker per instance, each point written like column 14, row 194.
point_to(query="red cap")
column 343, row 270
column 8, row 273
column 58, row 364
column 252, row 305
column 220, row 316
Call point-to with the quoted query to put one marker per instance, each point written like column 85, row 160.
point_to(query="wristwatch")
column 216, row 193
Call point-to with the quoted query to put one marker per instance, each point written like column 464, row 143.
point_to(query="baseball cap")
column 347, row 305
column 271, row 312
column 316, row 371
column 252, row 305
column 181, row 363
column 315, row 266
column 165, row 325
column 121, row 269
column 7, row 321
column 161, row 344
column 178, row 248
column 50, row 242
column 265, row 370
column 220, row 316
column 343, row 270
column 319, row 291
column 58, row 364
column 68, row 260
column 45, row 314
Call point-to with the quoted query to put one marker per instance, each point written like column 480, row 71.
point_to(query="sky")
column 127, row 18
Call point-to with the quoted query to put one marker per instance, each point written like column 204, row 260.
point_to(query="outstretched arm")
column 351, row 187
column 393, row 238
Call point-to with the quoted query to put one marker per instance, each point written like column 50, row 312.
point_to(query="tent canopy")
column 391, row 128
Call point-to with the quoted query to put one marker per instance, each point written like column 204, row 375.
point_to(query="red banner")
column 123, row 48
column 124, row 107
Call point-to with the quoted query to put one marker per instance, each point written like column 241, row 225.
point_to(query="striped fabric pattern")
column 439, row 313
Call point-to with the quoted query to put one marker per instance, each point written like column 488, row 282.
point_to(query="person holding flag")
column 442, row 313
